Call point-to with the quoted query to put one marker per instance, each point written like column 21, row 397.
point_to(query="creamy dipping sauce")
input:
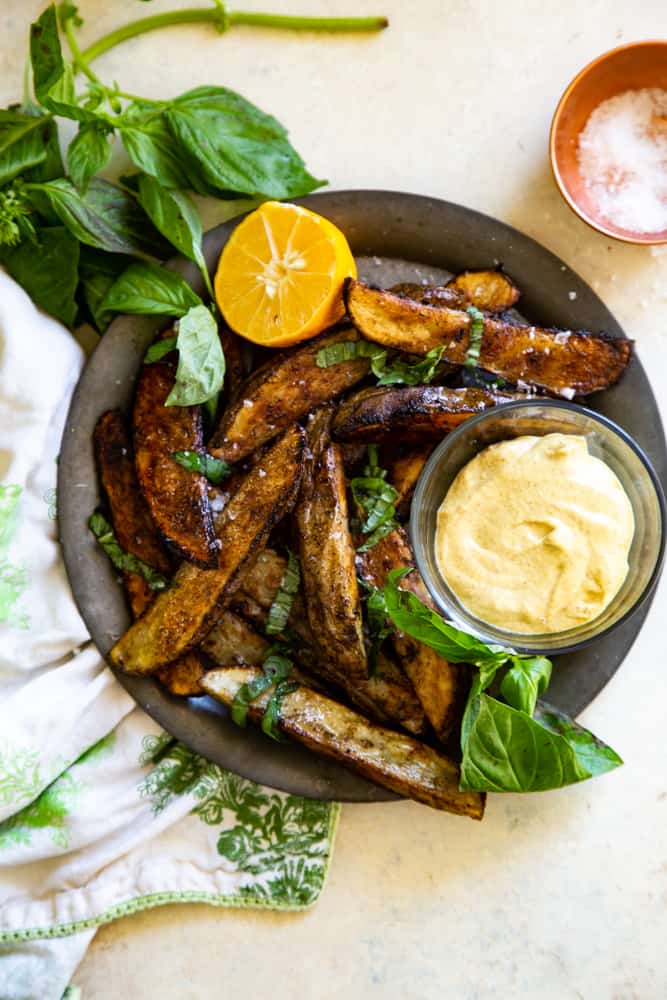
column 534, row 534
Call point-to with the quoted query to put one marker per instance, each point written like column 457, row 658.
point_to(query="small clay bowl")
column 630, row 67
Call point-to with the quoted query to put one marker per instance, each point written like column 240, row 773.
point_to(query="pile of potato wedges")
column 294, row 434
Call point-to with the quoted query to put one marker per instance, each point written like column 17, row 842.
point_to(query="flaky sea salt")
column 623, row 159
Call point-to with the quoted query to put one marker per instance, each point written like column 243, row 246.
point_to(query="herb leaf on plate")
column 389, row 368
column 282, row 603
column 150, row 290
column 215, row 469
column 122, row 560
column 201, row 362
column 88, row 153
column 175, row 215
column 375, row 498
column 22, row 143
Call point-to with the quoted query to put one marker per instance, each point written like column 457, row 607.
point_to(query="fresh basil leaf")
column 282, row 603
column 402, row 372
column 48, row 271
column 236, row 146
column 156, row 352
column 215, row 469
column 475, row 334
column 376, row 498
column 53, row 80
column 275, row 669
column 348, row 350
column 175, row 215
column 150, row 290
column 525, row 681
column 412, row 617
column 22, row 143
column 594, row 755
column 151, row 146
column 201, row 362
column 88, row 153
column 507, row 751
column 122, row 560
column 52, row 164
column 378, row 625
column 271, row 720
column 105, row 216
column 98, row 271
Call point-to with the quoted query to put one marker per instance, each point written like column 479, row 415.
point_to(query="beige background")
column 561, row 895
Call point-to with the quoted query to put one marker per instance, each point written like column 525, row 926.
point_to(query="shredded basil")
column 122, row 560
column 271, row 720
column 280, row 609
column 376, row 498
column 215, row 469
column 389, row 368
column 378, row 623
column 474, row 337
column 159, row 350
column 276, row 667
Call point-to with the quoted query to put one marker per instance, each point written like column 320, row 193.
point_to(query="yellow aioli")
column 534, row 534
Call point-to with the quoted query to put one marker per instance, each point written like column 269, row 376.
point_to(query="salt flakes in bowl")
column 622, row 156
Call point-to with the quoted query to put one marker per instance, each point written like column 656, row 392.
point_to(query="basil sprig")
column 122, row 560
column 510, row 745
column 282, row 603
column 377, row 622
column 210, row 141
column 475, row 334
column 276, row 668
column 388, row 367
column 376, row 498
column 215, row 469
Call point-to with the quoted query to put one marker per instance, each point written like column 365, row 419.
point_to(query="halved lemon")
column 281, row 273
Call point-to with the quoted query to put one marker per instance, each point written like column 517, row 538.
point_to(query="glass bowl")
column 605, row 440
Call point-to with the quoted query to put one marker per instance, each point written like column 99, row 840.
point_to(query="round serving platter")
column 395, row 237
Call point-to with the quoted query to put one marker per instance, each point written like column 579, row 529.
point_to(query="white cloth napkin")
column 101, row 813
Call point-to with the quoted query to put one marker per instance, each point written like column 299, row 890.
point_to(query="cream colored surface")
column 534, row 533
column 561, row 895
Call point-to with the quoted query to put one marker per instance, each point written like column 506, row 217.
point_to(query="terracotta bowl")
column 630, row 67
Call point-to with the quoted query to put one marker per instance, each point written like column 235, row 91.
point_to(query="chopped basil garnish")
column 159, row 350
column 275, row 671
column 475, row 337
column 388, row 367
column 376, row 498
column 122, row 560
column 282, row 603
column 378, row 624
column 215, row 469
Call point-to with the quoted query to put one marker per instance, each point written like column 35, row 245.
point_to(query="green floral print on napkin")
column 49, row 811
column 13, row 578
column 19, row 776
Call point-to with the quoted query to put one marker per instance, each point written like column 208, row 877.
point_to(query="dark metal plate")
column 398, row 237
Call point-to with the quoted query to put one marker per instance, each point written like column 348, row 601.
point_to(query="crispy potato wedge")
column 131, row 519
column 404, row 469
column 177, row 499
column 392, row 760
column 432, row 295
column 326, row 554
column 233, row 640
column 182, row 615
column 387, row 697
column 491, row 291
column 183, row 676
column 440, row 686
column 137, row 534
column 561, row 362
column 411, row 413
column 283, row 390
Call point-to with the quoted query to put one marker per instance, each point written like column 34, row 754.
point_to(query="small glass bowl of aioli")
column 605, row 440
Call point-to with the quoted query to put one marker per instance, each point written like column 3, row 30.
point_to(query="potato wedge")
column 404, row 469
column 326, row 554
column 183, row 676
column 137, row 534
column 233, row 640
column 440, row 686
column 392, row 760
column 182, row 615
column 177, row 499
column 411, row 413
column 491, row 291
column 432, row 295
column 283, row 390
column 561, row 362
